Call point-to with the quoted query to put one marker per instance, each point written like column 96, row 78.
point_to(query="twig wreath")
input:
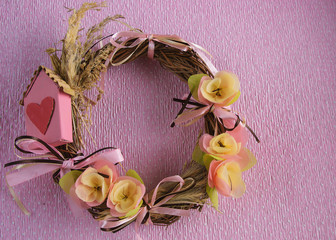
column 57, row 116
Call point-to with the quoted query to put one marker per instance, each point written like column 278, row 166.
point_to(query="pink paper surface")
column 60, row 127
column 284, row 54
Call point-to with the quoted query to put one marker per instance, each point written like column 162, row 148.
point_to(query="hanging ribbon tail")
column 159, row 210
column 190, row 115
column 141, row 216
column 28, row 173
column 75, row 204
column 151, row 48
column 224, row 113
column 116, row 224
column 17, row 200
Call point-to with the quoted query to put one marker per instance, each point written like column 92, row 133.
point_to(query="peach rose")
column 125, row 195
column 223, row 144
column 94, row 183
column 226, row 144
column 220, row 90
column 226, row 177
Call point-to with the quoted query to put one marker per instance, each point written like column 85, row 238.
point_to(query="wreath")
column 55, row 125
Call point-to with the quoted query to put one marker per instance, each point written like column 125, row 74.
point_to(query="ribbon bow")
column 195, row 110
column 154, row 206
column 170, row 40
column 138, row 38
column 48, row 159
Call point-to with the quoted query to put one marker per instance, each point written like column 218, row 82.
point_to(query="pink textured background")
column 284, row 54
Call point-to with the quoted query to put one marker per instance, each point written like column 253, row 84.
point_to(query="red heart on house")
column 41, row 114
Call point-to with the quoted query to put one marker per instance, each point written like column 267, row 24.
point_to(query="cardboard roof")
column 54, row 77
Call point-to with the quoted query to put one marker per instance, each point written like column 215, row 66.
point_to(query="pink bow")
column 195, row 110
column 49, row 159
column 150, row 207
column 153, row 207
column 169, row 40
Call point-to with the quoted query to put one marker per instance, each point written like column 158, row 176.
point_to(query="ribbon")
column 153, row 206
column 169, row 40
column 195, row 110
column 193, row 114
column 48, row 159
column 51, row 160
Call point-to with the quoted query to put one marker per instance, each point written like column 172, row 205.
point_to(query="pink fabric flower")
column 222, row 90
column 215, row 94
column 226, row 177
column 94, row 183
column 229, row 145
column 125, row 196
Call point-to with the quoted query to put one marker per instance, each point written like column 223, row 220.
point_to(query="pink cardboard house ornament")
column 47, row 108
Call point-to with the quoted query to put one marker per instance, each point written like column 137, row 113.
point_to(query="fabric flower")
column 125, row 195
column 93, row 184
column 220, row 90
column 221, row 145
column 210, row 95
column 228, row 146
column 226, row 177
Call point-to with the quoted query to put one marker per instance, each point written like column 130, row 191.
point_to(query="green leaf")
column 197, row 155
column 252, row 159
column 132, row 173
column 193, row 83
column 207, row 159
column 234, row 99
column 213, row 195
column 68, row 180
column 216, row 157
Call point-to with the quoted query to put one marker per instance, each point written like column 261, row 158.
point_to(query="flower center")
column 124, row 195
column 221, row 144
column 217, row 92
column 224, row 144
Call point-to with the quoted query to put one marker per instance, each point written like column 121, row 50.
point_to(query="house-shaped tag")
column 47, row 108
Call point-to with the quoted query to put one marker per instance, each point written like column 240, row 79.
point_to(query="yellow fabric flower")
column 226, row 177
column 220, row 90
column 223, row 144
column 126, row 195
column 93, row 185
